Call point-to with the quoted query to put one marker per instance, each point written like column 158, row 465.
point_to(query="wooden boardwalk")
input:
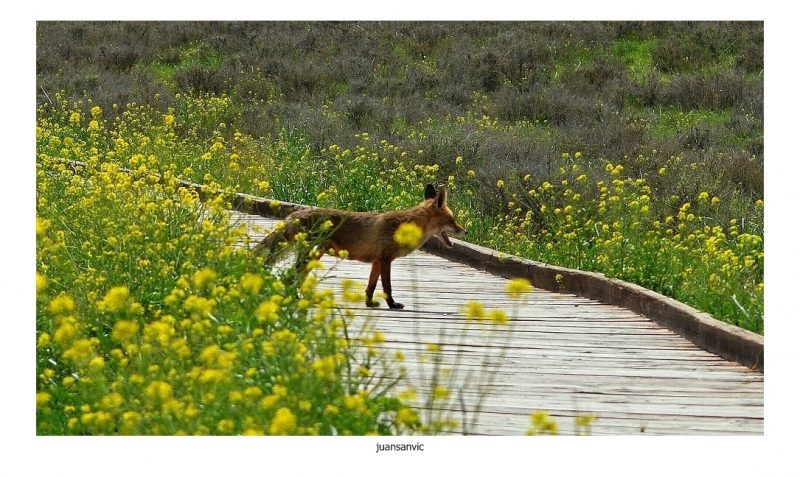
column 562, row 354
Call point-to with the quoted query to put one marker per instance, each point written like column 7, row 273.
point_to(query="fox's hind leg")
column 373, row 282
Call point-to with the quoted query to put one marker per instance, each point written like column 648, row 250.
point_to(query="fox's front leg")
column 382, row 268
column 386, row 283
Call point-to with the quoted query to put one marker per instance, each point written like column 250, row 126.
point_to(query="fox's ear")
column 441, row 198
column 430, row 192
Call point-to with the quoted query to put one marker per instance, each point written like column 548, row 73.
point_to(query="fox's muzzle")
column 446, row 239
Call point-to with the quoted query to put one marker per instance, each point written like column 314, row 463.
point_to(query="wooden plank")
column 561, row 353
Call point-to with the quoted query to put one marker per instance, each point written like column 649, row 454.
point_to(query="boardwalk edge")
column 726, row 340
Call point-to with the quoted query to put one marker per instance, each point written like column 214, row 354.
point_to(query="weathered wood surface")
column 561, row 354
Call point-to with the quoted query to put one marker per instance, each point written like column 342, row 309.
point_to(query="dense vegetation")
column 633, row 149
column 676, row 104
column 616, row 91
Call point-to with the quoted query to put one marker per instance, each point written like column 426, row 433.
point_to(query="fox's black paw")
column 396, row 305
column 372, row 303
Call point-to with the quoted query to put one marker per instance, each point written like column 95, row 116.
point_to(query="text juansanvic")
column 399, row 447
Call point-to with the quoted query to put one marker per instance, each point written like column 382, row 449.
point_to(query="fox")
column 369, row 237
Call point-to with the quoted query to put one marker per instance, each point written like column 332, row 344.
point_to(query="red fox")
column 370, row 237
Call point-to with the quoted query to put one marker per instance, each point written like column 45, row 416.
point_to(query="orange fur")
column 369, row 237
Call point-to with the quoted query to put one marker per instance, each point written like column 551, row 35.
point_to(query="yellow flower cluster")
column 475, row 311
column 517, row 286
column 408, row 235
column 541, row 424
column 150, row 317
column 612, row 227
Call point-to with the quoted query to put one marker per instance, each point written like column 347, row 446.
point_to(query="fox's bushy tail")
column 277, row 246
column 269, row 247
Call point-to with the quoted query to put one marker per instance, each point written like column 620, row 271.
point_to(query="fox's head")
column 442, row 222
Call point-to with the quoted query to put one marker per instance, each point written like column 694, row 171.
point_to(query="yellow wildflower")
column 112, row 400
column 408, row 417
column 204, row 278
column 440, row 393
column 80, row 351
column 252, row 282
column 253, row 392
column 409, row 394
column 200, row 305
column 97, row 363
column 325, row 367
column 43, row 340
column 129, row 420
column 269, row 401
column 41, row 282
column 542, row 424
column 474, row 311
column 160, row 332
column 115, row 299
column 433, row 347
column 498, row 316
column 309, row 284
column 283, row 423
column 42, row 398
column 209, row 354
column 408, row 235
column 41, row 226
column 267, row 311
column 355, row 402
column 159, row 389
column 225, row 426
column 62, row 304
column 124, row 330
